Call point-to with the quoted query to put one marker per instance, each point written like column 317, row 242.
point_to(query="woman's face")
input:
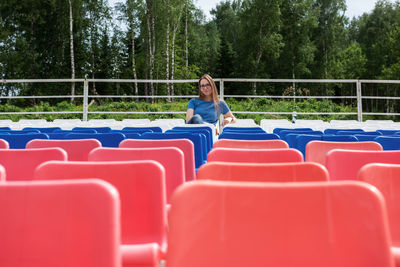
column 205, row 87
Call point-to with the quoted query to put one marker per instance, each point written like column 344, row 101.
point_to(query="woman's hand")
column 226, row 121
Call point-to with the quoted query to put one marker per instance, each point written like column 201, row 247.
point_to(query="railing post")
column 359, row 102
column 221, row 89
column 85, row 99
column 221, row 97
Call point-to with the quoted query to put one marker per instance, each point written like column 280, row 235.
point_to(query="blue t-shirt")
column 206, row 109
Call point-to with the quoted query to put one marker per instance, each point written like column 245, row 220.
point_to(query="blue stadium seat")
column 248, row 136
column 339, row 138
column 98, row 129
column 200, row 155
column 303, row 139
column 388, row 132
column 20, row 140
column 42, row 129
column 207, row 131
column 334, row 131
column 155, row 129
column 106, row 139
column 363, row 137
column 278, row 130
column 282, row 134
column 389, row 142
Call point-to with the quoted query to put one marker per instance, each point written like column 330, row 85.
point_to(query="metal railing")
column 85, row 96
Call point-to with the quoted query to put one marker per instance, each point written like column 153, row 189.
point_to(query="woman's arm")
column 228, row 118
column 189, row 114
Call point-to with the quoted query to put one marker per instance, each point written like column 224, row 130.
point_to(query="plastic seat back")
column 251, row 144
column 199, row 146
column 389, row 142
column 106, row 139
column 20, row 164
column 133, row 131
column 292, row 138
column 2, row 174
column 4, row 144
column 82, row 130
column 283, row 134
column 316, row 150
column 309, row 224
column 364, row 137
column 339, row 138
column 19, row 141
column 345, row 164
column 185, row 145
column 20, row 131
column 248, row 136
column 42, row 129
column 77, row 150
column 255, row 155
column 47, row 224
column 98, row 129
column 388, row 132
column 207, row 131
column 357, row 132
column 386, row 177
column 141, row 189
column 277, row 130
column 263, row 172
column 171, row 159
column 255, row 129
column 154, row 129
column 303, row 139
column 335, row 130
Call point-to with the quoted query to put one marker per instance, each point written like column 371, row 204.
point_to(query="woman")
column 208, row 107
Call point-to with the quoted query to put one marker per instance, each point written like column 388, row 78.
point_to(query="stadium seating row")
column 222, row 219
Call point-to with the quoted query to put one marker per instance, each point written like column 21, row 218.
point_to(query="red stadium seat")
column 4, row 144
column 311, row 224
column 250, row 144
column 254, row 155
column 20, row 164
column 263, row 172
column 2, row 174
column 185, row 145
column 141, row 188
column 59, row 223
column 386, row 177
column 316, row 150
column 345, row 164
column 170, row 158
column 77, row 150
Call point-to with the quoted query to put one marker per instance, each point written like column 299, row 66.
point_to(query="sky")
column 355, row 8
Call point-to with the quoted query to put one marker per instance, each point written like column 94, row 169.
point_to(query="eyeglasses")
column 207, row 85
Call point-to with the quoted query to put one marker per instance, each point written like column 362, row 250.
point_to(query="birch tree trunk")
column 186, row 41
column 132, row 25
column 258, row 58
column 176, row 27
column 92, row 40
column 151, row 42
column 167, row 49
column 71, row 40
column 153, row 47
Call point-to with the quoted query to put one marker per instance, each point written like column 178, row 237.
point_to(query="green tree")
column 329, row 36
column 261, row 41
column 225, row 60
column 299, row 19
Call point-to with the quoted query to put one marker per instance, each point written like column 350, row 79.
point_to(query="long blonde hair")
column 214, row 91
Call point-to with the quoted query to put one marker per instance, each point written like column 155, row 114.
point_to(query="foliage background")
column 171, row 39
